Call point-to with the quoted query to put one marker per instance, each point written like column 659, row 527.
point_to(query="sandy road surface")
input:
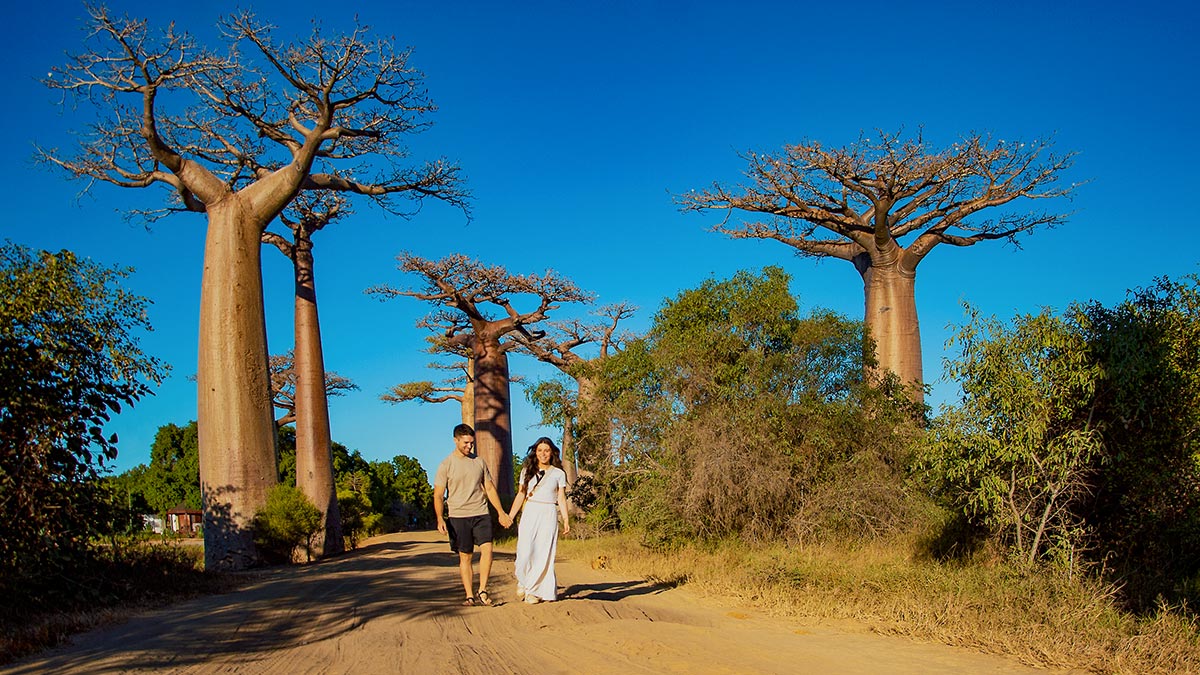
column 393, row 607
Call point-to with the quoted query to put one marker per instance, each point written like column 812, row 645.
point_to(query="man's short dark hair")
column 463, row 430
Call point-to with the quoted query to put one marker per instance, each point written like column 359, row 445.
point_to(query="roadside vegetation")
column 740, row 446
column 1052, row 513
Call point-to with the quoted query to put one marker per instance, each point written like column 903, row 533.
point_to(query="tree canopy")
column 70, row 358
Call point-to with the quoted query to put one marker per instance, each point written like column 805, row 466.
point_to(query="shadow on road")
column 279, row 609
column 612, row 592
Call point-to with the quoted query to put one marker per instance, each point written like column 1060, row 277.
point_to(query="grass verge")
column 1038, row 618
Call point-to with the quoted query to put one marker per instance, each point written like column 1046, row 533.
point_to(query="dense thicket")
column 737, row 416
column 1075, row 442
column 69, row 358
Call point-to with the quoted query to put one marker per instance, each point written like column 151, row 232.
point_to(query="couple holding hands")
column 462, row 488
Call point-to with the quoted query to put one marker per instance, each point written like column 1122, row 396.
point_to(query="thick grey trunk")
column 236, row 424
column 493, row 424
column 568, row 451
column 468, row 400
column 314, row 453
column 891, row 316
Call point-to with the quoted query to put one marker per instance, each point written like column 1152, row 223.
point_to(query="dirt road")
column 393, row 607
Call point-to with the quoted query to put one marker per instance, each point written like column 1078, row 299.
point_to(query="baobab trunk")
column 234, row 413
column 568, row 451
column 493, row 425
column 468, row 400
column 314, row 454
column 594, row 432
column 891, row 316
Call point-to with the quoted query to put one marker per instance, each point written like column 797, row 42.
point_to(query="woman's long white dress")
column 537, row 535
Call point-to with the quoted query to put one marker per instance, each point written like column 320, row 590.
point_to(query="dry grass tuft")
column 1040, row 619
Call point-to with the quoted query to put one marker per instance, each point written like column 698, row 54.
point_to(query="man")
column 465, row 483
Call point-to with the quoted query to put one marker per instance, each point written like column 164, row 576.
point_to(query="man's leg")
column 464, row 570
column 485, row 565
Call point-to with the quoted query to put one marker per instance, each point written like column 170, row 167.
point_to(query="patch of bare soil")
column 393, row 607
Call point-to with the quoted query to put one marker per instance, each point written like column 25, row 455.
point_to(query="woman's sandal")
column 484, row 598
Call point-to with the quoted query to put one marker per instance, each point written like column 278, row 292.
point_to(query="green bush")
column 288, row 521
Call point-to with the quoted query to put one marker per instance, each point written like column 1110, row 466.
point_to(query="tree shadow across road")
column 402, row 580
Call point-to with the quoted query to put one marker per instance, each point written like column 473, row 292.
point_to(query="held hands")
column 506, row 520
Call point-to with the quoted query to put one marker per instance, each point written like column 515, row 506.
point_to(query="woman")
column 543, row 494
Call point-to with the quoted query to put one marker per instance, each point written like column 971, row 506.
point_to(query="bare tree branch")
column 283, row 386
column 875, row 192
column 237, row 120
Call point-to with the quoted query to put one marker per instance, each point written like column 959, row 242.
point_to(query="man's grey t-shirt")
column 462, row 477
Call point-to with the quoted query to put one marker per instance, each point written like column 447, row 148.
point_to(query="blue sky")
column 576, row 122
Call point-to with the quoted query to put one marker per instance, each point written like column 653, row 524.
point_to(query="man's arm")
column 439, row 507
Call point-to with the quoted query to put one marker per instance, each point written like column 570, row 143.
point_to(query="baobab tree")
column 460, row 387
column 559, row 346
column 307, row 215
column 236, row 137
column 857, row 203
column 283, row 387
column 464, row 288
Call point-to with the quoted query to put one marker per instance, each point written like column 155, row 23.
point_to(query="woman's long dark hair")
column 530, row 466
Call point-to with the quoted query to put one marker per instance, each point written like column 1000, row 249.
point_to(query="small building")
column 153, row 523
column 184, row 521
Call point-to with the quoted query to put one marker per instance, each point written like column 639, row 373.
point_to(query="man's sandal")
column 484, row 598
column 469, row 602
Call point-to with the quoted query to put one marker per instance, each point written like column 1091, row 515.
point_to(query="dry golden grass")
column 1040, row 619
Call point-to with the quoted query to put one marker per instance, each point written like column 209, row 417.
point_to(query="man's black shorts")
column 467, row 533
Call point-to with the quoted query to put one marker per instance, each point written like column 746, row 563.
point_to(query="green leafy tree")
column 1075, row 440
column 173, row 476
column 285, row 442
column 733, row 382
column 1017, row 454
column 402, row 492
column 358, row 518
column 128, row 491
column 1145, row 508
column 69, row 358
